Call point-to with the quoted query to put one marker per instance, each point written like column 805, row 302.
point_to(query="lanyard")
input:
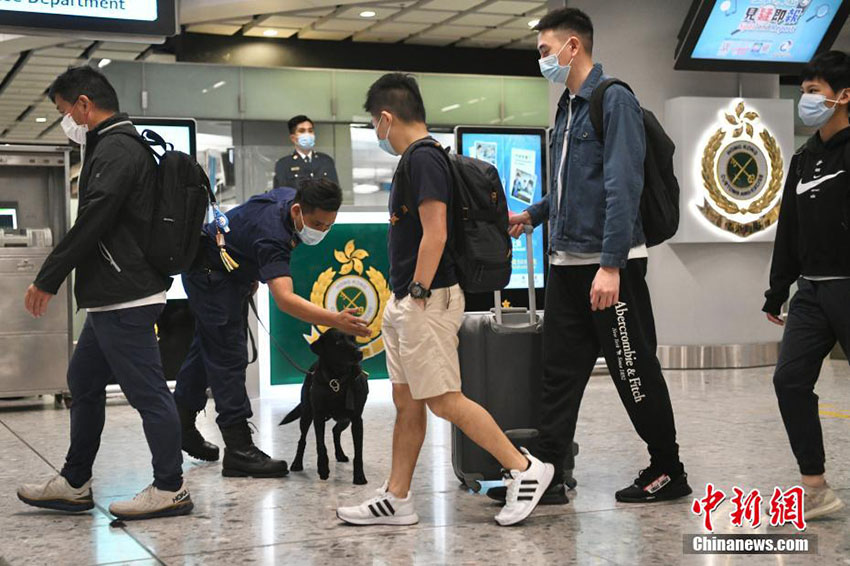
column 222, row 227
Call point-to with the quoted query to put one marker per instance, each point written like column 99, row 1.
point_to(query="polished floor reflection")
column 729, row 430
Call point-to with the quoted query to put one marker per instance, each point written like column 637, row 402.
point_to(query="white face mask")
column 310, row 236
column 552, row 70
column 813, row 110
column 75, row 132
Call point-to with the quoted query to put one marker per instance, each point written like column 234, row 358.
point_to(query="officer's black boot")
column 194, row 443
column 243, row 459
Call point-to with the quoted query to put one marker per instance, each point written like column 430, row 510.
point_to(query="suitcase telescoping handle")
column 532, row 295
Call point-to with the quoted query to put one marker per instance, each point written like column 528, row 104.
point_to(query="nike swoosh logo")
column 806, row 187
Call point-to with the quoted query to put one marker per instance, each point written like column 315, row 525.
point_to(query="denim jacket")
column 602, row 179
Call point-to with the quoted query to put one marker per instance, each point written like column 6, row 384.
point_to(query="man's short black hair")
column 84, row 80
column 295, row 120
column 398, row 94
column 318, row 193
column 833, row 67
column 569, row 19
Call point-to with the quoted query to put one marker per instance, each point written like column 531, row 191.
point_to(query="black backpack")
column 659, row 202
column 479, row 245
column 183, row 197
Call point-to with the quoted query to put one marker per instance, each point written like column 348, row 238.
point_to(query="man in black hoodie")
column 124, row 296
column 813, row 248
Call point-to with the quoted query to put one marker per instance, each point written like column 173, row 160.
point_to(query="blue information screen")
column 519, row 159
column 775, row 31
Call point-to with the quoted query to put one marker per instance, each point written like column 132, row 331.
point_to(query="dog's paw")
column 341, row 457
column 296, row 467
column 324, row 476
column 360, row 480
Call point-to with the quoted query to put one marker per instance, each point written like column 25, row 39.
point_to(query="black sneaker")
column 652, row 485
column 555, row 494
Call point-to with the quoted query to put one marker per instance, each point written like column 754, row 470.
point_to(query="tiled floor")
column 729, row 430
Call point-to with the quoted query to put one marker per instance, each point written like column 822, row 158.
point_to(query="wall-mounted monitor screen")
column 181, row 133
column 771, row 36
column 8, row 217
column 519, row 154
column 91, row 18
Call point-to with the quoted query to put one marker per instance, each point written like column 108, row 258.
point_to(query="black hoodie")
column 813, row 236
column 117, row 191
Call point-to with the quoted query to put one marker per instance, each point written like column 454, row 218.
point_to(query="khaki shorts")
column 421, row 345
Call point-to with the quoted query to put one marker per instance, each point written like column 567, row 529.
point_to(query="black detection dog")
column 335, row 388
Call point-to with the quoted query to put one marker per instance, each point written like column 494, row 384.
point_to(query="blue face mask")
column 813, row 110
column 552, row 70
column 385, row 143
column 306, row 141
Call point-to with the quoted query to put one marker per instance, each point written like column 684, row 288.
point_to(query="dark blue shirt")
column 261, row 238
column 429, row 179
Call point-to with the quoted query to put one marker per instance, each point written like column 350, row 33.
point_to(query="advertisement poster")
column 785, row 31
column 519, row 160
column 523, row 179
column 486, row 151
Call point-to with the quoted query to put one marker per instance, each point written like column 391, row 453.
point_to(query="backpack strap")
column 150, row 139
column 403, row 170
column 596, row 100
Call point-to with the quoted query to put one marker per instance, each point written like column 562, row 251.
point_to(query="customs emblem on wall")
column 742, row 174
column 353, row 287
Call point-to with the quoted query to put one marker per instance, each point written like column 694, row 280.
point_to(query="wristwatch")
column 418, row 291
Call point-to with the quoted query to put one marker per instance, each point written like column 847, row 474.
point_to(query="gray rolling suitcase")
column 501, row 366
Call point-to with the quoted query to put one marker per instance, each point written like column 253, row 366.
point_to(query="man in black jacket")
column 813, row 248
column 124, row 296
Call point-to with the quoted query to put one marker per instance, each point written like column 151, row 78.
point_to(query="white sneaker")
column 524, row 490
column 385, row 509
column 57, row 494
column 151, row 503
column 820, row 501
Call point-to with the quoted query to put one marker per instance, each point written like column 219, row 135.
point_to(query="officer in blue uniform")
column 303, row 163
column 253, row 242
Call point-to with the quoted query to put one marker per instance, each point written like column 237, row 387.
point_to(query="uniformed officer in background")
column 303, row 163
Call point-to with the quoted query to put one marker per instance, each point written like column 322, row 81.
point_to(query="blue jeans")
column 122, row 344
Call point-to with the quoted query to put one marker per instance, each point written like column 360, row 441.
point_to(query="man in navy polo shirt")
column 262, row 235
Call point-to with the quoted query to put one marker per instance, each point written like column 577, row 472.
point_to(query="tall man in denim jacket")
column 596, row 295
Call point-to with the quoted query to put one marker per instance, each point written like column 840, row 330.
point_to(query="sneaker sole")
column 59, row 504
column 655, row 499
column 176, row 511
column 548, row 474
column 559, row 498
column 240, row 474
column 393, row 521
column 817, row 513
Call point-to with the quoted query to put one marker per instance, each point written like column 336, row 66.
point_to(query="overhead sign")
column 92, row 19
column 140, row 10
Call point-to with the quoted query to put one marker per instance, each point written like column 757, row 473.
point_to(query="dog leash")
column 274, row 341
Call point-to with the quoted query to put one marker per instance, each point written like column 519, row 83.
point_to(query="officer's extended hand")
column 517, row 223
column 775, row 320
column 36, row 301
column 348, row 322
